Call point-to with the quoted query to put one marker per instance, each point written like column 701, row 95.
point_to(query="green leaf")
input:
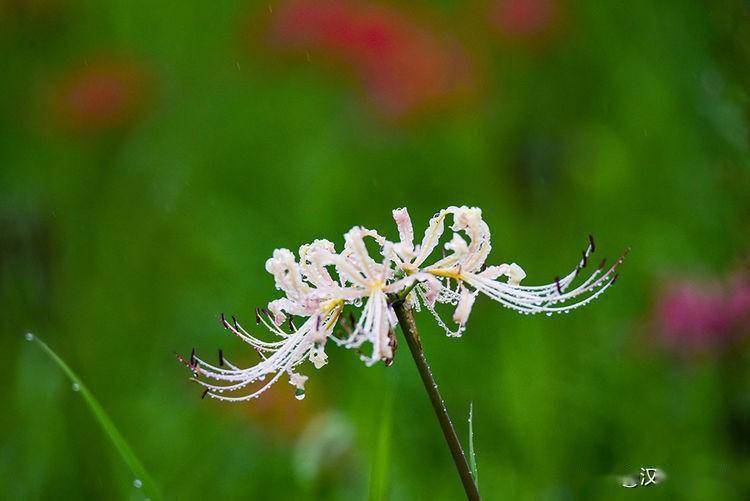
column 142, row 479
column 472, row 454
column 379, row 473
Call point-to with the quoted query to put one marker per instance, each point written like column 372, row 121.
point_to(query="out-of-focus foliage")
column 153, row 154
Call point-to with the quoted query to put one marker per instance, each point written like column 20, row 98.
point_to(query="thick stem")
column 409, row 327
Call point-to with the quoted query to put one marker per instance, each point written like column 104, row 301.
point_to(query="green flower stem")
column 409, row 328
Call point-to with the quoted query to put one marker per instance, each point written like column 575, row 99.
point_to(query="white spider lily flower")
column 295, row 346
column 311, row 292
column 319, row 285
column 464, row 265
column 373, row 281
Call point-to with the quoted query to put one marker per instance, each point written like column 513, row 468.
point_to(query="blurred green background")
column 153, row 154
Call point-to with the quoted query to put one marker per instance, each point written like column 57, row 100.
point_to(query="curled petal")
column 463, row 310
column 314, row 258
column 515, row 274
column 287, row 274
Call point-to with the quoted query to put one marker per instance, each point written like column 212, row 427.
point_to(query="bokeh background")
column 153, row 154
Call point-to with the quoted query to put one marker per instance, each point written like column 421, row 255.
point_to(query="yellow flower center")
column 454, row 274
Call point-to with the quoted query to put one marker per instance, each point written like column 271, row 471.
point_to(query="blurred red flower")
column 695, row 316
column 404, row 66
column 281, row 414
column 101, row 96
column 525, row 19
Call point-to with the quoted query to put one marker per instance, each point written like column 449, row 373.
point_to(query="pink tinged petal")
column 277, row 307
column 405, row 247
column 463, row 310
column 433, row 291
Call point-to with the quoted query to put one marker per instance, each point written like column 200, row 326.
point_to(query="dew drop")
column 549, row 313
column 299, row 394
column 137, row 483
column 76, row 387
column 29, row 336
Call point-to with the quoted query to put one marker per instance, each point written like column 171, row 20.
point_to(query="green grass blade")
column 379, row 472
column 472, row 454
column 142, row 479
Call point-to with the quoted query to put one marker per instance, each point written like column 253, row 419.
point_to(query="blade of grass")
column 379, row 472
column 142, row 478
column 472, row 455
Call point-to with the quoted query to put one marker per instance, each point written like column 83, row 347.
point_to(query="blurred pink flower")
column 525, row 19
column 739, row 300
column 404, row 66
column 100, row 96
column 695, row 316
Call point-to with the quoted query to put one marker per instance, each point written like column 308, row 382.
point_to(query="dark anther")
column 614, row 279
column 221, row 358
column 317, row 323
column 585, row 259
column 601, row 265
column 257, row 316
column 234, row 321
column 223, row 321
column 393, row 343
column 192, row 358
column 344, row 323
column 205, row 392
column 182, row 359
column 352, row 320
column 292, row 327
column 557, row 283
column 592, row 244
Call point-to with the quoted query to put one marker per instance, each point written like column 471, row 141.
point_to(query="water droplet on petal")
column 137, row 483
column 76, row 387
column 29, row 336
